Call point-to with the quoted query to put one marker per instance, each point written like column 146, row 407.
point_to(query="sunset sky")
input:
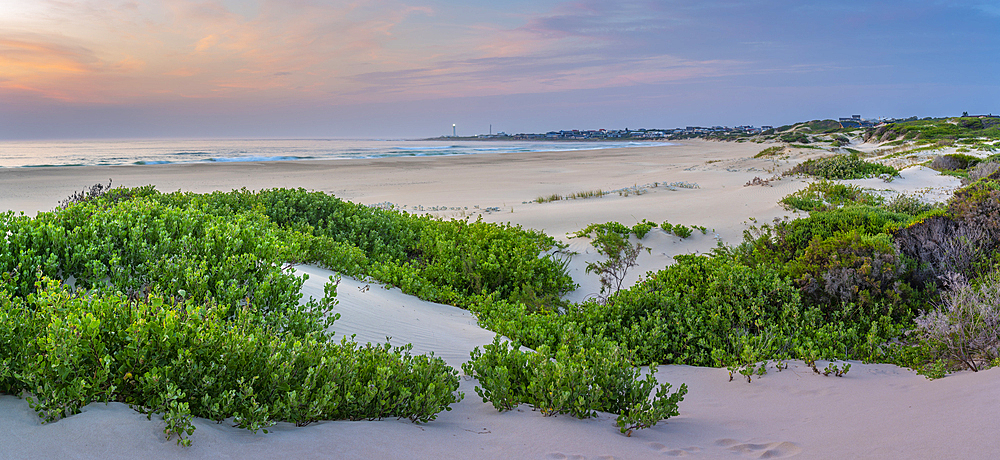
column 353, row 69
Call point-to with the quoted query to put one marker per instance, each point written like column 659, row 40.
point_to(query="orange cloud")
column 330, row 52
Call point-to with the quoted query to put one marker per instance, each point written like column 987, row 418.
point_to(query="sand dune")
column 876, row 411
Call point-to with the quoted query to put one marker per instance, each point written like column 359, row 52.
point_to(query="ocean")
column 14, row 154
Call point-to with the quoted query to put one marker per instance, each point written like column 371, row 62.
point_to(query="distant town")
column 854, row 121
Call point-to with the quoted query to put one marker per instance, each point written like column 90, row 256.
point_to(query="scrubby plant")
column 682, row 231
column 909, row 204
column 642, row 228
column 86, row 194
column 953, row 162
column 794, row 138
column 962, row 238
column 981, row 170
column 572, row 379
column 185, row 305
column 770, row 151
column 611, row 240
column 849, row 166
column 965, row 327
column 182, row 358
column 667, row 227
column 851, row 268
column 826, row 195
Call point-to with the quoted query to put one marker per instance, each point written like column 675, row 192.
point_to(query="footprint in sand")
column 562, row 456
column 683, row 452
column 761, row 449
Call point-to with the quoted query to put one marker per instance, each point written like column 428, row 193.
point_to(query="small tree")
column 612, row 241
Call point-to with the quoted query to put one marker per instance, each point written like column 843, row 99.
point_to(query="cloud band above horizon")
column 246, row 59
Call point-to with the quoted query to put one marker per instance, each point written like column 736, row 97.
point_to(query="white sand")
column 876, row 411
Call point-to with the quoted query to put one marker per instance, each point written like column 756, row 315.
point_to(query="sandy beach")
column 875, row 411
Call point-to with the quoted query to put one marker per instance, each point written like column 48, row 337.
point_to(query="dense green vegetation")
column 184, row 305
column 826, row 195
column 847, row 282
column 849, row 166
column 183, row 358
column 573, row 380
column 937, row 129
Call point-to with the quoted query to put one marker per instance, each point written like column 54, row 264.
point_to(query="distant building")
column 856, row 122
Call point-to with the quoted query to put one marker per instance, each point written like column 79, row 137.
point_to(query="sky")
column 75, row 69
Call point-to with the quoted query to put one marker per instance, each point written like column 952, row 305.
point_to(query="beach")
column 875, row 411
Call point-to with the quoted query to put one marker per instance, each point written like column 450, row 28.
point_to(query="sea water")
column 142, row 152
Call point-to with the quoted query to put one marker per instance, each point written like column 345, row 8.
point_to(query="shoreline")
column 143, row 152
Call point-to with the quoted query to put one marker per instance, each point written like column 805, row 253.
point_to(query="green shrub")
column 826, row 195
column 181, row 358
column 787, row 240
column 611, row 240
column 908, row 204
column 572, row 380
column 851, row 268
column 794, row 138
column 841, row 167
column 770, row 151
column 187, row 306
column 642, row 228
column 682, row 231
column 138, row 240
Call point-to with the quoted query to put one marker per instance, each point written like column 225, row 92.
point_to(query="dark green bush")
column 182, row 358
column 187, row 306
column 642, row 228
column 851, row 268
column 138, row 240
column 787, row 240
column 573, row 380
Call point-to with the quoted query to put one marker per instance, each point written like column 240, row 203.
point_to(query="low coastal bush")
column 770, row 151
column 681, row 230
column 642, row 228
column 184, row 305
column 794, row 138
column 840, row 167
column 611, row 240
column 572, row 379
column 953, row 162
column 182, row 358
column 826, row 195
column 866, row 270
column 982, row 170
column 965, row 327
column 139, row 239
